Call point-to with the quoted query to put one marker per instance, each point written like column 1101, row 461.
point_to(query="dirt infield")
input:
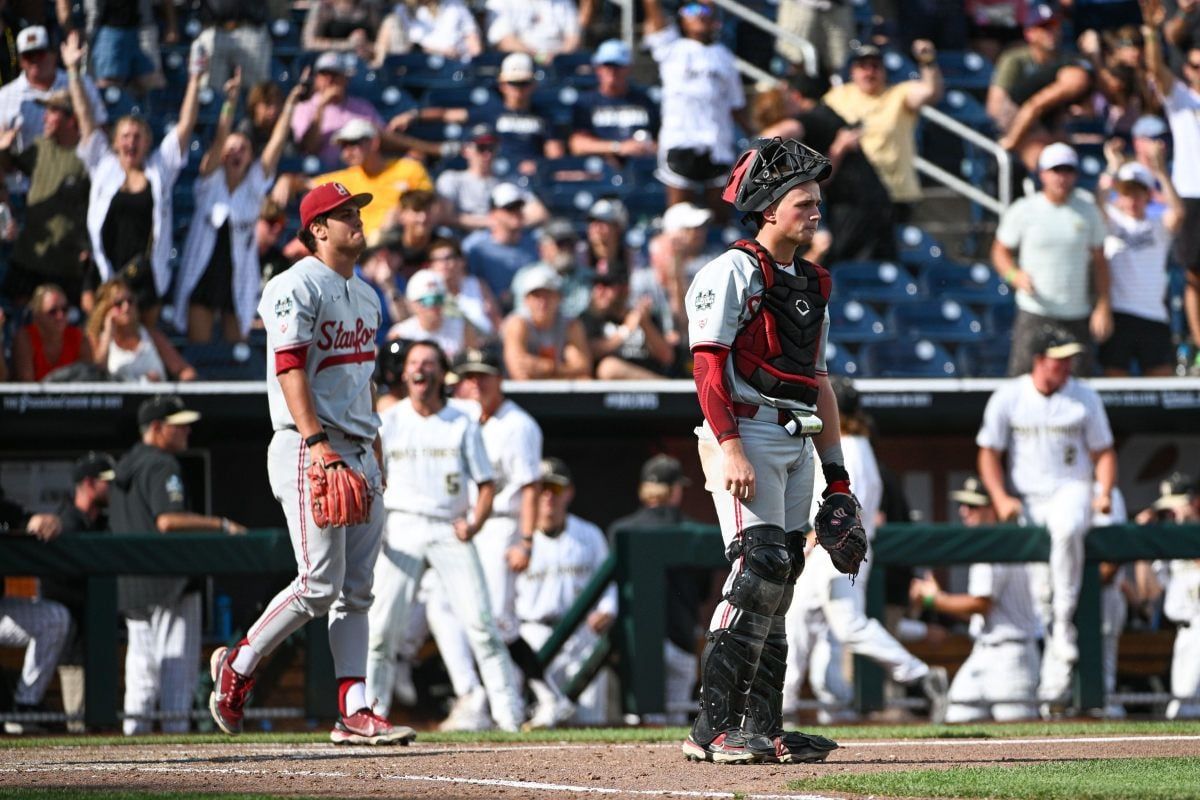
column 533, row 771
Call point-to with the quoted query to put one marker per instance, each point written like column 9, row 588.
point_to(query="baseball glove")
column 341, row 495
column 840, row 531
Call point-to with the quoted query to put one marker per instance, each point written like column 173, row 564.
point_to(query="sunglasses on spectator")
column 553, row 488
column 697, row 10
column 449, row 257
column 57, row 311
column 519, row 84
column 485, row 148
column 121, row 302
column 432, row 300
column 1064, row 170
column 514, row 208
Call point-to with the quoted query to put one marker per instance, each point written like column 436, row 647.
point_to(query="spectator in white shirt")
column 437, row 27
column 426, row 295
column 129, row 208
column 219, row 271
column 40, row 77
column 465, row 195
column 541, row 28
column 702, row 98
column 1137, row 247
column 466, row 296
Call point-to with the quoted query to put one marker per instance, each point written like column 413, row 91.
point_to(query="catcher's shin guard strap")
column 726, row 673
column 766, row 569
column 764, row 707
column 795, row 546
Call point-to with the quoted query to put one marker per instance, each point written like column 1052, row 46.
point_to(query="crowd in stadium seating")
column 538, row 156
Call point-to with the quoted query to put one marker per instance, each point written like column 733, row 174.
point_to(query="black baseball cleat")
column 792, row 747
column 730, row 747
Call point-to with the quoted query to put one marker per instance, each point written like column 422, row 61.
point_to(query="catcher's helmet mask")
column 770, row 169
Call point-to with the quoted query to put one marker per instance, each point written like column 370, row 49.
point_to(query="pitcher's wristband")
column 317, row 438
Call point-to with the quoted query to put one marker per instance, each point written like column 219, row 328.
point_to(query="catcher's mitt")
column 840, row 531
column 340, row 494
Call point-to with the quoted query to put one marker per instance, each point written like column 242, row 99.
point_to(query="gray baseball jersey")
column 320, row 322
column 722, row 298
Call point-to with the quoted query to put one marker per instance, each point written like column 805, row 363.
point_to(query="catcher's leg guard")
column 731, row 656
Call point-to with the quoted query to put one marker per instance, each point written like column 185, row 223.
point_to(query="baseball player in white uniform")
column 1114, row 607
column 828, row 614
column 758, row 322
column 321, row 322
column 999, row 679
column 514, row 444
column 567, row 551
column 1056, row 435
column 1181, row 601
column 433, row 452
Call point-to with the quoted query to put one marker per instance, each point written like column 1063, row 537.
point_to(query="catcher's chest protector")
column 776, row 351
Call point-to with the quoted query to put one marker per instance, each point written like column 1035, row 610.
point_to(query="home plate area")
column 519, row 770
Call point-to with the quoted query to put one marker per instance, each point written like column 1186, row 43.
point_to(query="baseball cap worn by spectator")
column 326, row 198
column 972, row 494
column 664, row 469
column 356, row 130
column 541, row 276
column 559, row 229
column 166, row 408
column 59, row 101
column 100, row 466
column 1133, row 172
column 1039, row 14
column 32, row 40
column 425, row 287
column 1177, row 491
column 612, row 52
column 1149, row 126
column 866, row 52
column 507, row 195
column 607, row 209
column 555, row 471
column 683, row 216
column 482, row 134
column 331, row 62
column 1055, row 342
column 1058, row 155
column 516, row 68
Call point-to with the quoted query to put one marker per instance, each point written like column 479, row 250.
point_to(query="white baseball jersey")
column 1181, row 602
column 559, row 568
column 719, row 303
column 1137, row 252
column 430, row 460
column 701, row 90
column 1050, row 439
column 320, row 322
column 1013, row 616
column 513, row 440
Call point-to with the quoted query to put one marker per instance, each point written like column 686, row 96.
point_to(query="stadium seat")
column 965, row 70
column 575, row 169
column 1176, row 284
column 906, row 358
column 985, row 359
column 873, row 282
column 574, row 199
column 556, row 102
column 225, row 362
column 419, row 71
column 839, row 360
column 574, row 69
column 977, row 284
column 998, row 319
column 852, row 321
column 285, row 38
column 938, row 321
column 917, row 247
column 648, row 201
column 967, row 109
column 461, row 96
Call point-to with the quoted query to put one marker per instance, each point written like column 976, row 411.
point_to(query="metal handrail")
column 996, row 205
column 753, row 17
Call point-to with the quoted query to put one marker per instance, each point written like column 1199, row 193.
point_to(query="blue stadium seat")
column 556, row 102
column 461, row 96
column 285, row 38
column 917, row 247
column 839, row 360
column 966, row 109
column 977, row 284
column 873, row 282
column 1091, row 164
column 938, row 321
column 985, row 359
column 647, row 202
column 577, row 169
column 420, row 71
column 965, row 70
column 998, row 319
column 219, row 361
column 574, row 199
column 852, row 321
column 906, row 358
column 574, row 69
column 1176, row 285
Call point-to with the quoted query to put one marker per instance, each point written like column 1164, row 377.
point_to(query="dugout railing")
column 638, row 563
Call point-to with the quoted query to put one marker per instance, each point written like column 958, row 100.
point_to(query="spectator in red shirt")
column 48, row 341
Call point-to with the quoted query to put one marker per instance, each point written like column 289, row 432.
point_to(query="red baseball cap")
column 326, row 198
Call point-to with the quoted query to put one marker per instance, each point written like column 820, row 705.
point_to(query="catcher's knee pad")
column 766, row 570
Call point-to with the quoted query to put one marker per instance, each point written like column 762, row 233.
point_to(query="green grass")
column 652, row 735
column 1099, row 779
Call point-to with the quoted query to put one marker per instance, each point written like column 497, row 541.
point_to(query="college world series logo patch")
column 283, row 307
column 705, row 299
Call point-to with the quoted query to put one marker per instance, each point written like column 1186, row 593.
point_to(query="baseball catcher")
column 758, row 325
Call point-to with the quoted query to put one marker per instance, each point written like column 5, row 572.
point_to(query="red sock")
column 344, row 685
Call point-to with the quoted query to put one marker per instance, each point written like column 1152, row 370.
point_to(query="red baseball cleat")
column 367, row 727
column 230, row 691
